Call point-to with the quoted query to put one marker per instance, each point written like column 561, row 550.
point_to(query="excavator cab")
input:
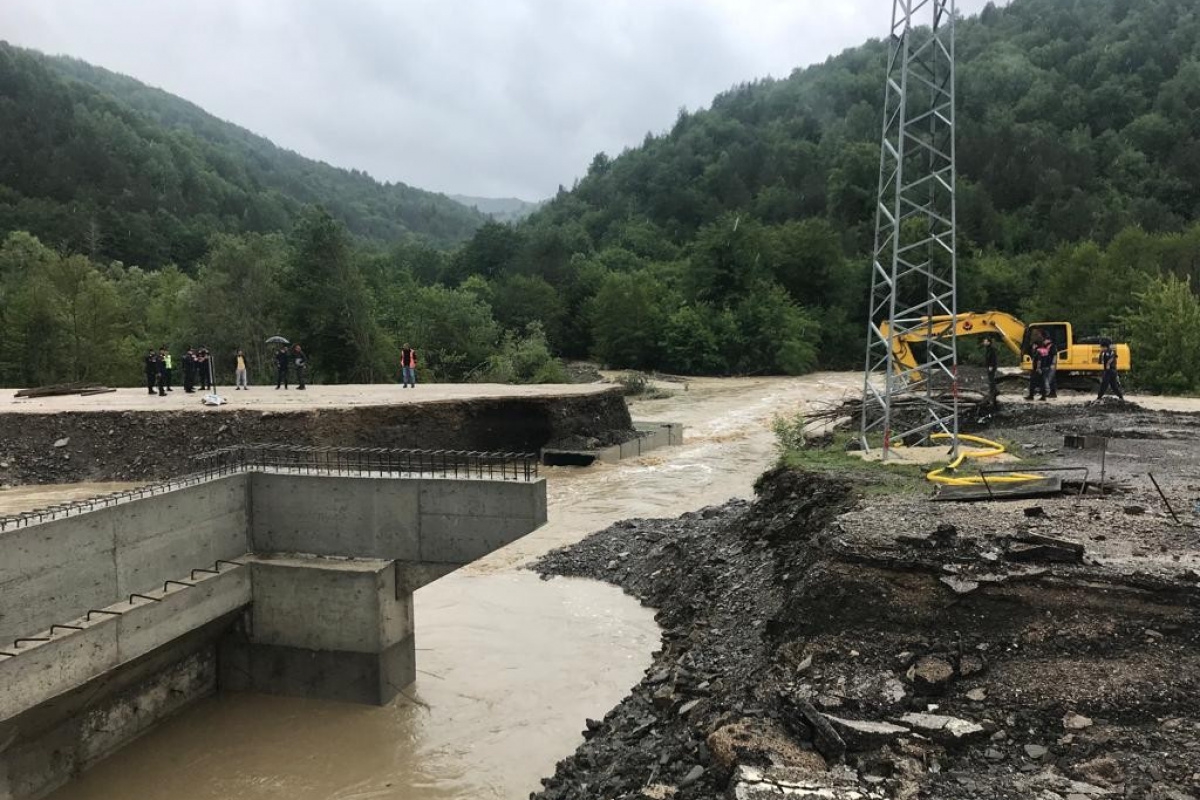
column 1058, row 332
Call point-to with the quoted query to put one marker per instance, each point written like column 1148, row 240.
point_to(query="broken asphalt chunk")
column 943, row 729
column 866, row 734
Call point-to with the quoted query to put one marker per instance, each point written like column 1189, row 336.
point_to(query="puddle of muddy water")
column 509, row 666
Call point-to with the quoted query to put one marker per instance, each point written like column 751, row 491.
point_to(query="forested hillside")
column 735, row 242
column 98, row 163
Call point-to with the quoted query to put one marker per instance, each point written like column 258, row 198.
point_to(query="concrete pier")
column 255, row 581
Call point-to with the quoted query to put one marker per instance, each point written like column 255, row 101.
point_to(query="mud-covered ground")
column 831, row 642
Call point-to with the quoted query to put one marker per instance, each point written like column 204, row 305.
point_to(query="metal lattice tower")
column 915, row 258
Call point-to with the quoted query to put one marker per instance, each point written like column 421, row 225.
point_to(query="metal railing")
column 381, row 461
column 366, row 461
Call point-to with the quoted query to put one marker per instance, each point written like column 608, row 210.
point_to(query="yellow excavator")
column 1075, row 358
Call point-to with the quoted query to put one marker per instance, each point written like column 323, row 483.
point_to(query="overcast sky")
column 481, row 97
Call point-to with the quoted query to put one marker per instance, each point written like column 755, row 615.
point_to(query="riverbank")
column 846, row 644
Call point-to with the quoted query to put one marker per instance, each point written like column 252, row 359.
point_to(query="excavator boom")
column 1073, row 357
column 1005, row 327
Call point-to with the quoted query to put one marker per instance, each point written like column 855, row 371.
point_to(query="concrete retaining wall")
column 423, row 521
column 45, row 746
column 53, row 572
column 650, row 436
column 323, row 608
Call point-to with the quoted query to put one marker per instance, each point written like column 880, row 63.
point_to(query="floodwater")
column 509, row 666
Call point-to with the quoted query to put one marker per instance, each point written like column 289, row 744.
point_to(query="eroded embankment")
column 141, row 445
column 800, row 659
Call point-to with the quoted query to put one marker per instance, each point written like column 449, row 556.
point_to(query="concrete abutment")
column 318, row 601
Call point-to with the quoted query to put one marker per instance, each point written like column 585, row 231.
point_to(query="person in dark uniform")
column 992, row 364
column 301, row 362
column 151, row 364
column 161, row 378
column 1108, row 370
column 202, row 368
column 189, row 371
column 1037, row 376
column 281, row 366
column 1050, row 368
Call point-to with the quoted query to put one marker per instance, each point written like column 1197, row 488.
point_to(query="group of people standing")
column 285, row 361
column 289, row 359
column 160, row 370
column 198, row 369
column 1043, row 377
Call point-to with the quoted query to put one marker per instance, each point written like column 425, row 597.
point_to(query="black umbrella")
column 277, row 340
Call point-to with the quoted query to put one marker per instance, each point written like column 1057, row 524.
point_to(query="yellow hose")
column 990, row 449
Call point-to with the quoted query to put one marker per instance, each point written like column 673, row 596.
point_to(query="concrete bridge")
column 279, row 570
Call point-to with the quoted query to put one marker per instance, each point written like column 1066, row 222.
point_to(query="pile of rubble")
column 817, row 645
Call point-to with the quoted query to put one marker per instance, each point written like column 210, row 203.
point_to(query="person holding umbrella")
column 281, row 361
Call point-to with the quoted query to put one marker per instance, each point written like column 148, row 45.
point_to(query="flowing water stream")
column 509, row 666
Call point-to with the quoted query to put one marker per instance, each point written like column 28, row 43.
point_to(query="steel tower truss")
column 915, row 258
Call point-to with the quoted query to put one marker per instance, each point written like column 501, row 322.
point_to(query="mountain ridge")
column 95, row 161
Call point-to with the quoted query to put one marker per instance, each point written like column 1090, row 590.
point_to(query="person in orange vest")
column 408, row 367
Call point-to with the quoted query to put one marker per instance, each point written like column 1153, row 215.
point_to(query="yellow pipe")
column 991, row 449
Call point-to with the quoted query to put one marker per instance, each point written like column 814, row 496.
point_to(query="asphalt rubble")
column 825, row 641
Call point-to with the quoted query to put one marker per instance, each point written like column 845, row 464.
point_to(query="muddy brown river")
column 509, row 666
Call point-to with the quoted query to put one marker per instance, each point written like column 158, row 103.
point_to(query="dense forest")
column 98, row 163
column 736, row 241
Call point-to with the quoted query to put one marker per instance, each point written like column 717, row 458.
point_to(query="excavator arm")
column 1005, row 327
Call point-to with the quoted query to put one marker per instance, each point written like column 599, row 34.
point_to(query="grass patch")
column 829, row 455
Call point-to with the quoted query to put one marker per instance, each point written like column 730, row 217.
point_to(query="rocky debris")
column 1103, row 771
column 754, row 783
column 63, row 442
column 824, row 735
column 931, row 674
column 754, row 741
column 960, row 585
column 1037, row 547
column 1076, row 722
column 943, row 729
column 790, row 627
column 866, row 734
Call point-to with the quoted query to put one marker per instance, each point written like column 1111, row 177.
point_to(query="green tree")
column 628, row 314
column 452, row 329
column 775, row 335
column 699, row 340
column 1164, row 336
column 332, row 312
